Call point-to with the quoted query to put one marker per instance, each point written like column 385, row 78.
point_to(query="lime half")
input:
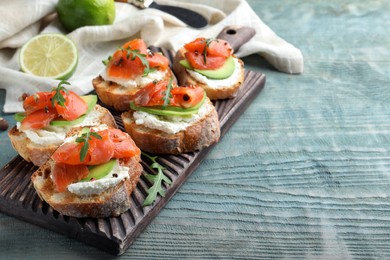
column 49, row 55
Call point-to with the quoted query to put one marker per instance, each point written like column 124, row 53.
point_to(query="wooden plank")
column 115, row 235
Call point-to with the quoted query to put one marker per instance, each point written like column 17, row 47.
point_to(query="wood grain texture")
column 116, row 234
column 303, row 174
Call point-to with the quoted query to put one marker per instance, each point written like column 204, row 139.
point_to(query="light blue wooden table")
column 305, row 171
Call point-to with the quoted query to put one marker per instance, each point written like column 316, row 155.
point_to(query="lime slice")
column 49, row 55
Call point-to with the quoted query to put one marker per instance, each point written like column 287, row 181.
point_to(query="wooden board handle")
column 237, row 35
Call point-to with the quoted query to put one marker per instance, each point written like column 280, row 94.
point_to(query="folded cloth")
column 96, row 43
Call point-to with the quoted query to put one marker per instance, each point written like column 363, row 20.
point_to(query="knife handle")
column 236, row 36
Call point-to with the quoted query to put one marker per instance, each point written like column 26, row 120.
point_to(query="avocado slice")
column 99, row 171
column 20, row 116
column 223, row 72
column 170, row 111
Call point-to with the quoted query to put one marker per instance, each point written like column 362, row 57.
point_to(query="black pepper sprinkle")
column 119, row 62
column 186, row 97
column 115, row 175
column 23, row 96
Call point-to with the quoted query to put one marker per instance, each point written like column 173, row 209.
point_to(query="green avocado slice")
column 169, row 110
column 99, row 171
column 223, row 72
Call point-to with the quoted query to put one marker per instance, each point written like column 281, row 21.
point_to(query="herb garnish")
column 58, row 96
column 167, row 94
column 142, row 57
column 84, row 138
column 106, row 61
column 134, row 54
column 156, row 179
column 208, row 42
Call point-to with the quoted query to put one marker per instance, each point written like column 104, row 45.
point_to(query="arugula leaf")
column 58, row 96
column 157, row 180
column 167, row 94
column 106, row 61
column 84, row 138
column 142, row 57
column 208, row 42
column 134, row 54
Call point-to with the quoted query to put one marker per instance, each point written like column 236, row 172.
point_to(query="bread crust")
column 185, row 79
column 38, row 154
column 117, row 96
column 203, row 133
column 111, row 202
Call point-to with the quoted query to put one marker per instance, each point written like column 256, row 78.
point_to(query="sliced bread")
column 111, row 202
column 201, row 133
column 228, row 88
column 117, row 96
column 37, row 153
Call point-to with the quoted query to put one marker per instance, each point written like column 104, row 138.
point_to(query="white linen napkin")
column 96, row 43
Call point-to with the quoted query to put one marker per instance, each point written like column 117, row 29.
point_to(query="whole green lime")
column 77, row 13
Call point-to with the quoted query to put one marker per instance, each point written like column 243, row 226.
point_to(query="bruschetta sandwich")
column 129, row 69
column 92, row 174
column 168, row 119
column 211, row 64
column 47, row 119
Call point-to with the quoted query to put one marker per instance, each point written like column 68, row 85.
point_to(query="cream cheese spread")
column 55, row 135
column 50, row 135
column 219, row 83
column 171, row 124
column 87, row 188
column 138, row 82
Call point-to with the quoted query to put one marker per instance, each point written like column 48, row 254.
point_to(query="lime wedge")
column 49, row 55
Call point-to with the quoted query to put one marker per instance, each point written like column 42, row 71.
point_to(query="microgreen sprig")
column 156, row 179
column 58, row 96
column 208, row 42
column 84, row 138
column 134, row 54
column 106, row 61
column 168, row 94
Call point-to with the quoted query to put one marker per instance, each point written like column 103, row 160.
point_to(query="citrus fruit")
column 49, row 55
column 77, row 13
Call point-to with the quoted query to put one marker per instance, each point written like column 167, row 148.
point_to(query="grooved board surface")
column 114, row 235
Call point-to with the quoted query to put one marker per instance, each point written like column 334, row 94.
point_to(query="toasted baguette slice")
column 117, row 96
column 38, row 154
column 111, row 202
column 200, row 134
column 185, row 79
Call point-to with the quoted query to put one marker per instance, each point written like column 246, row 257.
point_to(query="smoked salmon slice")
column 38, row 101
column 40, row 111
column 207, row 54
column 39, row 119
column 124, row 146
column 154, row 93
column 74, row 107
column 69, row 169
column 126, row 65
column 65, row 174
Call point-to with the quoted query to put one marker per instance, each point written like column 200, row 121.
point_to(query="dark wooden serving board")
column 115, row 235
